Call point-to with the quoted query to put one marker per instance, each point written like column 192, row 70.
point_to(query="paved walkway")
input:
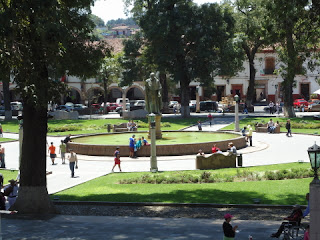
column 98, row 227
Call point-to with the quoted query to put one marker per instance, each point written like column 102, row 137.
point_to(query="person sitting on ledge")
column 200, row 152
column 144, row 142
column 232, row 148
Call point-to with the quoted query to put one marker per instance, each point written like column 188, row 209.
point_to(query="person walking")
column 73, row 162
column 249, row 135
column 116, row 159
column 228, row 231
column 131, row 146
column 271, row 107
column 288, row 127
column 62, row 151
column 199, row 126
column 210, row 117
column 3, row 163
column 52, row 151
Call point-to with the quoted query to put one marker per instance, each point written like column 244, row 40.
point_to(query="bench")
column 216, row 161
column 122, row 128
column 264, row 128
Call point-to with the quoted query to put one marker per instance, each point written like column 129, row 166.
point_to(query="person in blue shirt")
column 144, row 141
column 131, row 146
column 307, row 210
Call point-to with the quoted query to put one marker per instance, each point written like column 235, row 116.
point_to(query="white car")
column 141, row 103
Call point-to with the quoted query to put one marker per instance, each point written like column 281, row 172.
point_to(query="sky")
column 114, row 9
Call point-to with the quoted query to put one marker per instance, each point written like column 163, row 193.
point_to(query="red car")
column 299, row 102
column 112, row 106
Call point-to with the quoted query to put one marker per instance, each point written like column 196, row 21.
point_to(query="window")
column 269, row 65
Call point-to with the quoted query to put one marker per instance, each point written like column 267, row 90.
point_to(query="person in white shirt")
column 11, row 191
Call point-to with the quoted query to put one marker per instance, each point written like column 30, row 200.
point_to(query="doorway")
column 305, row 91
column 220, row 92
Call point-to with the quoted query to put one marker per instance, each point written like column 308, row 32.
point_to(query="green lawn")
column 106, row 188
column 8, row 174
column 7, row 139
column 167, row 138
column 65, row 127
column 298, row 125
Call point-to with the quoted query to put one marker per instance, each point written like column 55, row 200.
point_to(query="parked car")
column 311, row 101
column 79, row 106
column 314, row 107
column 16, row 106
column 119, row 109
column 64, row 108
column 2, row 111
column 119, row 100
column 141, row 103
column 299, row 102
column 208, row 106
column 111, row 107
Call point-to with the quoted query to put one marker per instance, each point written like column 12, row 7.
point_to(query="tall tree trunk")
column 185, row 96
column 33, row 195
column 291, row 72
column 105, row 89
column 165, row 98
column 252, row 77
column 6, row 97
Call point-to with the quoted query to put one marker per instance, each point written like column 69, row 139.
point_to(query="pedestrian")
column 117, row 159
column 3, row 163
column 271, row 106
column 1, row 131
column 11, row 191
column 73, row 162
column 249, row 135
column 52, row 151
column 199, row 126
column 131, row 146
column 210, row 117
column 62, row 151
column 245, row 108
column 228, row 231
column 288, row 127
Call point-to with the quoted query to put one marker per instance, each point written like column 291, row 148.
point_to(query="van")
column 119, row 100
column 16, row 106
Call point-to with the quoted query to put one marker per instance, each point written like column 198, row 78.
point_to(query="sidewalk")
column 97, row 227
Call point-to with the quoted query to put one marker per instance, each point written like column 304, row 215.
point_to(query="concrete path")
column 98, row 227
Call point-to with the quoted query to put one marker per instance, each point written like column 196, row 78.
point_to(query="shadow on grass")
column 194, row 196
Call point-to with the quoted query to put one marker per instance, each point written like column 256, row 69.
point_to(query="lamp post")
column 153, row 155
column 314, row 156
column 124, row 103
column 236, row 114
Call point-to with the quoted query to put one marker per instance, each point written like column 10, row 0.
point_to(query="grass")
column 87, row 126
column 7, row 139
column 167, row 138
column 106, row 188
column 8, row 174
column 305, row 125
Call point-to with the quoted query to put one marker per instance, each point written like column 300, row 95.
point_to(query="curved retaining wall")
column 162, row 150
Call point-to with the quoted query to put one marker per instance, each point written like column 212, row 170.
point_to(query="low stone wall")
column 162, row 150
column 216, row 161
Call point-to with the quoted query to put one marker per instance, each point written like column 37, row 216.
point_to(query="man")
column 67, row 139
column 11, row 191
column 62, row 151
column 270, row 126
column 73, row 162
column 52, row 151
column 271, row 107
column 294, row 219
column 232, row 148
column 131, row 146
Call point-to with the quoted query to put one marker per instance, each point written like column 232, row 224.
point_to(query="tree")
column 297, row 37
column 254, row 32
column 48, row 37
column 186, row 40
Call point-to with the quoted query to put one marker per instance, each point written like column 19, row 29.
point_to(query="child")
column 144, row 142
column 228, row 230
column 139, row 144
column 117, row 159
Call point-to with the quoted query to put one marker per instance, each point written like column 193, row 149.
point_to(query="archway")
column 114, row 93
column 135, row 93
column 72, row 95
column 95, row 95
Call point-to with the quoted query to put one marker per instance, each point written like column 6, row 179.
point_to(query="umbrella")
column 317, row 92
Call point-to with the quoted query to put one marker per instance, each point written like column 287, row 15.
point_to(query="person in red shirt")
column 52, row 151
column 214, row 149
column 210, row 117
column 117, row 159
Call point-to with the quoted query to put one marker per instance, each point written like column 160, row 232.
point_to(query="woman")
column 228, row 231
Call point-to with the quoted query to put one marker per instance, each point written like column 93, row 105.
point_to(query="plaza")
column 267, row 149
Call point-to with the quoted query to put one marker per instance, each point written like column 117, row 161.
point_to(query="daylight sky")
column 114, row 9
